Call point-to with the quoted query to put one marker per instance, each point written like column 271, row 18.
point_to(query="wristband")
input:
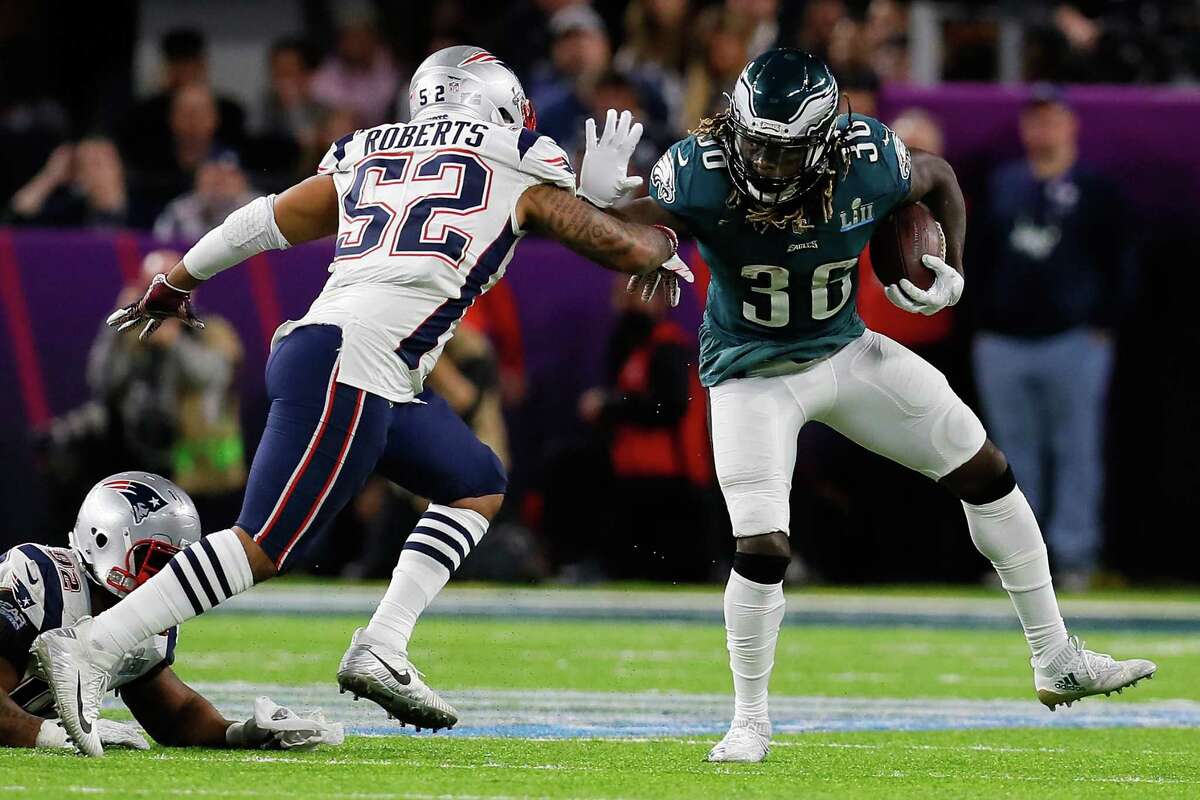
column 672, row 237
column 246, row 232
column 52, row 735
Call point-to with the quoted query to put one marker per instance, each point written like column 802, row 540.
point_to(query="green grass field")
column 866, row 689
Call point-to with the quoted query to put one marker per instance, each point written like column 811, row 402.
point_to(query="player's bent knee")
column 261, row 565
column 985, row 477
column 487, row 506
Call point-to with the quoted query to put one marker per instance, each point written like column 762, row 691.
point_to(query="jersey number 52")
column 445, row 183
column 769, row 303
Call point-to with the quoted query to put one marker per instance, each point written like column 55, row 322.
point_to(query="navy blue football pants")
column 323, row 439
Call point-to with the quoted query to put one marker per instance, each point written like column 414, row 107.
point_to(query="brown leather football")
column 899, row 241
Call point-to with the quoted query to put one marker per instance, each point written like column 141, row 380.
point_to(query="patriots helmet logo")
column 142, row 498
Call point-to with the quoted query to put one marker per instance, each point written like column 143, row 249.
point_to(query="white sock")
column 201, row 576
column 753, row 614
column 1006, row 532
column 439, row 543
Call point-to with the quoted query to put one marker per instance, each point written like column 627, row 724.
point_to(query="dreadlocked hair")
column 794, row 214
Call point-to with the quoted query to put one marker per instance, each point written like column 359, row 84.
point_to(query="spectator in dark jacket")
column 1048, row 304
column 80, row 184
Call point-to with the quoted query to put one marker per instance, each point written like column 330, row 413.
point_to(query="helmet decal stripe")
column 482, row 57
column 829, row 92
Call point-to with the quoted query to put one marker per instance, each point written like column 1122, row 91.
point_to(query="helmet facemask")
column 773, row 170
column 143, row 561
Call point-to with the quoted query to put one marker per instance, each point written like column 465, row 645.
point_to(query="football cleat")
column 387, row 678
column 1080, row 673
column 748, row 741
column 65, row 661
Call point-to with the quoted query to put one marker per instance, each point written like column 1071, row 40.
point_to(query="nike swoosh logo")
column 679, row 157
column 405, row 679
column 33, row 578
column 84, row 725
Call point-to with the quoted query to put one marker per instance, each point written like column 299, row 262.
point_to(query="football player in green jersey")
column 781, row 192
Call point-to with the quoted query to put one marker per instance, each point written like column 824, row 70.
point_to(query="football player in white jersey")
column 426, row 215
column 129, row 526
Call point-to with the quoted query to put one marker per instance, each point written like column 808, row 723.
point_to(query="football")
column 900, row 240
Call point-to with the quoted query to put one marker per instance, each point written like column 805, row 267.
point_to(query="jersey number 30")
column 769, row 304
column 459, row 184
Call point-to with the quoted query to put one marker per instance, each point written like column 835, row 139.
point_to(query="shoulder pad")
column 341, row 154
column 540, row 157
column 32, row 578
column 876, row 152
column 690, row 178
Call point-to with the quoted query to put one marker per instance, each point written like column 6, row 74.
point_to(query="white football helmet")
column 129, row 526
column 470, row 80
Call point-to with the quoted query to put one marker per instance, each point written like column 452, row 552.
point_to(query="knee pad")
column 760, row 568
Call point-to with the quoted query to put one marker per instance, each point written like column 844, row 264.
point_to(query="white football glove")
column 112, row 734
column 946, row 290
column 602, row 178
column 274, row 727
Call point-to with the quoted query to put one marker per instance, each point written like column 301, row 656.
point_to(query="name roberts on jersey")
column 781, row 293
column 427, row 224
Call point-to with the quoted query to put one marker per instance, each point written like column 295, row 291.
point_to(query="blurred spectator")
column 579, row 55
column 221, row 187
column 885, row 36
column 641, row 480
column 171, row 170
column 656, row 48
column 762, row 16
column 147, row 134
column 860, row 90
column 172, row 401
column 821, row 18
column 723, row 53
column 918, row 130
column 32, row 122
column 1048, row 301
column 289, row 109
column 1104, row 41
column 81, row 184
column 290, row 116
column 616, row 91
column 523, row 36
column 360, row 76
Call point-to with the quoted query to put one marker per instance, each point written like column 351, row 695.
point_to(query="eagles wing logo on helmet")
column 143, row 499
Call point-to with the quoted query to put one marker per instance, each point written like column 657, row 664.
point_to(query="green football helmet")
column 781, row 114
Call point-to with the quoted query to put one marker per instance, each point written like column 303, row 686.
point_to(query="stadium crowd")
column 177, row 161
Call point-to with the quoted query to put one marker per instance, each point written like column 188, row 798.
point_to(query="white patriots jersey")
column 43, row 588
column 427, row 224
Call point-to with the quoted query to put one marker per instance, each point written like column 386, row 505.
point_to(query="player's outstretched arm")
column 935, row 184
column 304, row 212
column 647, row 211
column 613, row 243
column 176, row 715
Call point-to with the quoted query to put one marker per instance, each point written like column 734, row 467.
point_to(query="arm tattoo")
column 590, row 232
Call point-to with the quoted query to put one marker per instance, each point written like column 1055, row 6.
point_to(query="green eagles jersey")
column 780, row 294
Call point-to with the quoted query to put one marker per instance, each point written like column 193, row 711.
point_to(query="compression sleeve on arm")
column 246, row 232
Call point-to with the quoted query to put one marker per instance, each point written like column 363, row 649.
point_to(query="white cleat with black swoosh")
column 65, row 661
column 387, row 678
